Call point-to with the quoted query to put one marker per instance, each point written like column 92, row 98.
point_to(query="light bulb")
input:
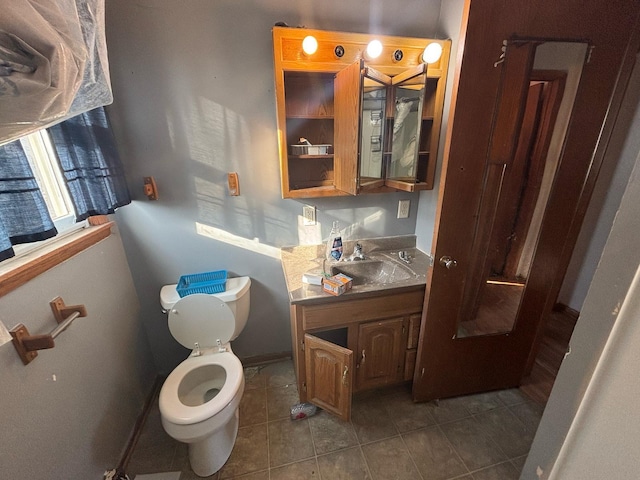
column 374, row 49
column 432, row 53
column 309, row 45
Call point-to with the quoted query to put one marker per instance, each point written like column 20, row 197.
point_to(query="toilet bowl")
column 199, row 400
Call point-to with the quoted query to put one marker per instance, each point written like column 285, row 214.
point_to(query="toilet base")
column 209, row 455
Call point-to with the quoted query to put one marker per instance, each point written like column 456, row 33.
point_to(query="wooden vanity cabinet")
column 307, row 108
column 376, row 345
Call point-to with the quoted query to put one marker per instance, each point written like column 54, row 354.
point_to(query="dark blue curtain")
column 91, row 164
column 24, row 217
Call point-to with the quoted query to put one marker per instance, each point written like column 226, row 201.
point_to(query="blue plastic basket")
column 207, row 282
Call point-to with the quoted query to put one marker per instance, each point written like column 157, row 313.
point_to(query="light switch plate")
column 403, row 208
column 309, row 214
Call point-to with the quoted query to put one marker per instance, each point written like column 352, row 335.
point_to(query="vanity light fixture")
column 432, row 53
column 309, row 45
column 374, row 49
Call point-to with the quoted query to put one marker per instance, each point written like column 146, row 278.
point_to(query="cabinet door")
column 347, row 97
column 381, row 348
column 329, row 376
column 360, row 101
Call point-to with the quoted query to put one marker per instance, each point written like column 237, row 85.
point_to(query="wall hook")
column 27, row 345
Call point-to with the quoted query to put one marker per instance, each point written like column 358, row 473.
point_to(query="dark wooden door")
column 487, row 111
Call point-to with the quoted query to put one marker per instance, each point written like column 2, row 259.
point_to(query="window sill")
column 19, row 271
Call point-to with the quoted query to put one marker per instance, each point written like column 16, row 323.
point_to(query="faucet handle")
column 404, row 256
column 357, row 252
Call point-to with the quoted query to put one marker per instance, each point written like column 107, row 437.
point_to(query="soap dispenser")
column 334, row 244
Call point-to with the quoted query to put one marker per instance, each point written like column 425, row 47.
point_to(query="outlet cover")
column 309, row 214
column 403, row 208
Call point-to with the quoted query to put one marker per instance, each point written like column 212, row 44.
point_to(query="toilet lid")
column 201, row 318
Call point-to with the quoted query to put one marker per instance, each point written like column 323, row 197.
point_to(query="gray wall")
column 194, row 99
column 591, row 422
column 70, row 412
column 449, row 26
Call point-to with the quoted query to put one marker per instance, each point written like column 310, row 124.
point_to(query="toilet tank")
column 236, row 296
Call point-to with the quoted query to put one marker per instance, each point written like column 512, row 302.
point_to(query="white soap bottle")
column 334, row 244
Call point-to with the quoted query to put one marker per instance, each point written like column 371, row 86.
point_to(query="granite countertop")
column 301, row 259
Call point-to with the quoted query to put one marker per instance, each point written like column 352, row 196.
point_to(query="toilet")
column 199, row 399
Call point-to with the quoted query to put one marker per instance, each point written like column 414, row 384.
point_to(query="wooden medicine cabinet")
column 373, row 124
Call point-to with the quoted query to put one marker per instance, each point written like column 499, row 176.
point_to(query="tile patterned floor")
column 476, row 437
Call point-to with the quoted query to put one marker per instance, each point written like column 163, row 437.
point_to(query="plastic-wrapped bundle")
column 53, row 63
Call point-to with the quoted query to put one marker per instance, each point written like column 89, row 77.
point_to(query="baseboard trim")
column 139, row 425
column 262, row 359
column 567, row 310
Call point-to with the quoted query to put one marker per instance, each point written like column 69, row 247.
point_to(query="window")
column 44, row 163
column 46, row 169
column 78, row 172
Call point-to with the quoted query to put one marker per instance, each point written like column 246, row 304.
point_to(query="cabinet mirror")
column 408, row 100
column 342, row 100
column 372, row 130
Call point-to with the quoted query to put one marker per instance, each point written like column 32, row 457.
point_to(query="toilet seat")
column 203, row 319
column 172, row 408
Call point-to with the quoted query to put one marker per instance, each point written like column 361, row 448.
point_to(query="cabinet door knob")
column 363, row 357
column 344, row 375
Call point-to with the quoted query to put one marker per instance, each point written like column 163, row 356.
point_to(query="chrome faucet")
column 404, row 256
column 357, row 254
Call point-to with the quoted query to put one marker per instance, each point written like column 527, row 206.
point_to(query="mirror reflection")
column 391, row 120
column 407, row 121
column 374, row 99
column 517, row 186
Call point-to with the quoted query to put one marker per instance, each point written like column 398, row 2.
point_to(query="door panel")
column 455, row 355
column 329, row 376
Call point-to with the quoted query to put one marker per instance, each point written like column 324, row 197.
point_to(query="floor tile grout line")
column 366, row 463
column 411, row 457
column 520, row 420
column 490, row 437
column 491, row 466
column 455, row 450
column 462, row 475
